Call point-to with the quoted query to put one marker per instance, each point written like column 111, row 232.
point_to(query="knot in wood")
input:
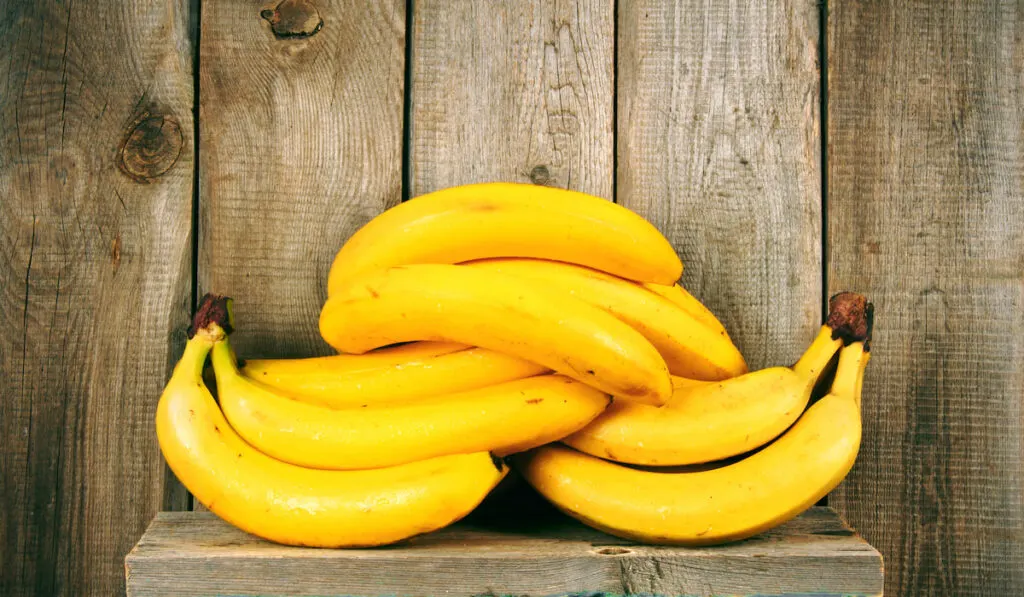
column 293, row 18
column 151, row 148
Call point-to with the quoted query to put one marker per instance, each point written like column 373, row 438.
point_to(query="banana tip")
column 213, row 309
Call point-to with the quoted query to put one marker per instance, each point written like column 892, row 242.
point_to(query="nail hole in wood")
column 540, row 175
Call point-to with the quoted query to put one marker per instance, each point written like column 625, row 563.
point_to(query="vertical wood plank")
column 926, row 216
column 95, row 280
column 514, row 91
column 718, row 145
column 301, row 106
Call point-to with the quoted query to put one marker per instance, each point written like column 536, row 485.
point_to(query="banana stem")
column 849, row 371
column 860, row 374
column 223, row 358
column 194, row 356
column 820, row 352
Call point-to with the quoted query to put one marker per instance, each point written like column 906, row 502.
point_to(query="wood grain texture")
column 718, row 145
column 513, row 91
column 926, row 216
column 95, row 281
column 190, row 554
column 300, row 145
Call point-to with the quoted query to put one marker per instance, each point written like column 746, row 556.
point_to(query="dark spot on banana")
column 535, row 401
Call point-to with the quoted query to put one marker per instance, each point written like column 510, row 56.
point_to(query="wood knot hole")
column 540, row 175
column 293, row 18
column 613, row 551
column 151, row 148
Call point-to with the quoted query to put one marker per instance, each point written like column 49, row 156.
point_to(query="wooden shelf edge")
column 195, row 553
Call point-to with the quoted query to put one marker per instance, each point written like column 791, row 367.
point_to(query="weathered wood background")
column 155, row 149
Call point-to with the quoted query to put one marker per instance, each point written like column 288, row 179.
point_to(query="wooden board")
column 191, row 554
column 718, row 145
column 926, row 216
column 513, row 91
column 95, row 281
column 300, row 144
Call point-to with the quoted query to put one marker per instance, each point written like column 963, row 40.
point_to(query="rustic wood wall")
column 116, row 209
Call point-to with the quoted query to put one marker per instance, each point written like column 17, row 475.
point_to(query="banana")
column 706, row 421
column 509, row 220
column 718, row 505
column 504, row 418
column 341, row 381
column 689, row 303
column 470, row 305
column 690, row 348
column 298, row 506
column 285, row 371
column 709, row 421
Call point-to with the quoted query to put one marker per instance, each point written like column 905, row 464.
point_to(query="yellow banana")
column 509, row 220
column 340, row 381
column 499, row 312
column 690, row 348
column 680, row 297
column 709, row 421
column 705, row 420
column 717, row 505
column 505, row 418
column 284, row 371
column 300, row 506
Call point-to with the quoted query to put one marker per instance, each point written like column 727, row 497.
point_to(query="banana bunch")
column 492, row 320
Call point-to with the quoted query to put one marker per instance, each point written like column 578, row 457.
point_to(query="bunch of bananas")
column 497, row 319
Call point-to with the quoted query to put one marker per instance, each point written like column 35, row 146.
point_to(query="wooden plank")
column 514, row 91
column 95, row 281
column 925, row 215
column 186, row 554
column 718, row 145
column 300, row 144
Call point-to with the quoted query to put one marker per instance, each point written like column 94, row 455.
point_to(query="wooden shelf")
column 195, row 553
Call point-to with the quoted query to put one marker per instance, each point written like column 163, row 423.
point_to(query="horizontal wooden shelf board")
column 195, row 553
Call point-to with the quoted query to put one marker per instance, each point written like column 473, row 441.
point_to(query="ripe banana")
column 680, row 297
column 288, row 370
column 717, row 505
column 503, row 313
column 341, row 381
column 508, row 220
column 504, row 418
column 690, row 348
column 299, row 506
column 705, row 420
